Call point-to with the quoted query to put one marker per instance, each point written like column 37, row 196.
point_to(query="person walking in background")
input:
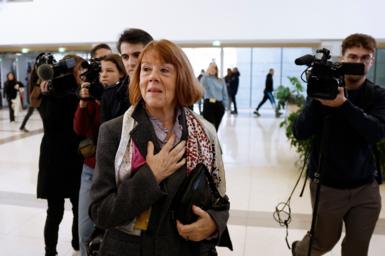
column 268, row 94
column 215, row 96
column 33, row 81
column 227, row 79
column 233, row 89
column 11, row 90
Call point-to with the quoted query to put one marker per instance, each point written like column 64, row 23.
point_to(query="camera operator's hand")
column 338, row 101
column 44, row 86
column 84, row 94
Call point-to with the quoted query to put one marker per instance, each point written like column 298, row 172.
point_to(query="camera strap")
column 379, row 176
column 282, row 213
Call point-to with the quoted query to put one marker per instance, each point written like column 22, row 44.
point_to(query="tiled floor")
column 260, row 172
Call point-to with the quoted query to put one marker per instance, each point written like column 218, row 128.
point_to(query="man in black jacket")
column 268, row 94
column 349, row 191
column 115, row 99
column 233, row 89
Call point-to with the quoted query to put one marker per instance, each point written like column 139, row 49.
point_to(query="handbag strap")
column 221, row 203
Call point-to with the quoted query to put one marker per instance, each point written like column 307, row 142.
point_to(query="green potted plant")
column 290, row 95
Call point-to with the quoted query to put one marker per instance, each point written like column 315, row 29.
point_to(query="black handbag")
column 199, row 189
column 95, row 242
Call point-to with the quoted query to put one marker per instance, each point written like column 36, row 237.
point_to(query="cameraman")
column 115, row 98
column 60, row 164
column 349, row 191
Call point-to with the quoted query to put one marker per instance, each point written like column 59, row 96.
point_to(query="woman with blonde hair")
column 215, row 97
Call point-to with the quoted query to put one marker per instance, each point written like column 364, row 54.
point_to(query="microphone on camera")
column 305, row 60
column 45, row 72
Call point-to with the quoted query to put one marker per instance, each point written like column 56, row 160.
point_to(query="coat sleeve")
column 35, row 97
column 309, row 122
column 113, row 205
column 220, row 217
column 370, row 125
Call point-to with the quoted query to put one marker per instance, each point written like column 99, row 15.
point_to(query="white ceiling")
column 85, row 21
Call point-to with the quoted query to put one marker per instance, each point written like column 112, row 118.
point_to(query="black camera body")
column 323, row 77
column 91, row 75
column 59, row 74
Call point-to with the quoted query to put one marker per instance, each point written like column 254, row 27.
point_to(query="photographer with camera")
column 344, row 131
column 60, row 164
column 86, row 124
column 115, row 99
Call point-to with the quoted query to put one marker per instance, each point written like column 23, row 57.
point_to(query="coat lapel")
column 143, row 132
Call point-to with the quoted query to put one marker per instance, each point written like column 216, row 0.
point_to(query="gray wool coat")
column 117, row 205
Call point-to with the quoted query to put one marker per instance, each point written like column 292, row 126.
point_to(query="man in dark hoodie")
column 347, row 127
column 233, row 89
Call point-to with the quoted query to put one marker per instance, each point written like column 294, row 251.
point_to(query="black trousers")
column 55, row 213
column 232, row 100
column 11, row 111
column 213, row 112
column 267, row 96
column 27, row 116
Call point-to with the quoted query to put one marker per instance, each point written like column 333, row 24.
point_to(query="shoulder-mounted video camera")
column 59, row 74
column 323, row 77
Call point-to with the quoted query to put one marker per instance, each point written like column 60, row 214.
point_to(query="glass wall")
column 262, row 60
column 240, row 58
column 200, row 58
column 252, row 63
column 379, row 69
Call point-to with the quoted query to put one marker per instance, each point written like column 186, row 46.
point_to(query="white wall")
column 77, row 21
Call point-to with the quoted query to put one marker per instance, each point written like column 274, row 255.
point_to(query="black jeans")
column 11, row 111
column 27, row 116
column 232, row 100
column 267, row 96
column 55, row 213
column 213, row 112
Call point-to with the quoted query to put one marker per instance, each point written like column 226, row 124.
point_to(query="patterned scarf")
column 199, row 149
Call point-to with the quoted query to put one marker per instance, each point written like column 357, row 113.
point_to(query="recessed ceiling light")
column 61, row 49
column 24, row 50
column 216, row 43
